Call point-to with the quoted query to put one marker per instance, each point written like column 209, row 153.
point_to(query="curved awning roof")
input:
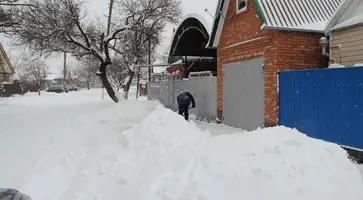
column 191, row 38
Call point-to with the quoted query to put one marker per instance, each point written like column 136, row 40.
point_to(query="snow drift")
column 164, row 157
column 92, row 149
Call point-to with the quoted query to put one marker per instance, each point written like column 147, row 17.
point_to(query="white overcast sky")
column 99, row 8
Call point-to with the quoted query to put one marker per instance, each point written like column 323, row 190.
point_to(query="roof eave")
column 7, row 59
column 216, row 20
column 293, row 29
column 337, row 16
column 347, row 27
column 6, row 73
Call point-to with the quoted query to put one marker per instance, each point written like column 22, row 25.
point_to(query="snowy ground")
column 77, row 146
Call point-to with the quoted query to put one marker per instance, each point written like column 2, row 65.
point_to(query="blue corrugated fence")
column 325, row 104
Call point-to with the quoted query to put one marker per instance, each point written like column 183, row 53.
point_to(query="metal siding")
column 243, row 94
column 351, row 43
column 325, row 104
column 153, row 91
column 163, row 92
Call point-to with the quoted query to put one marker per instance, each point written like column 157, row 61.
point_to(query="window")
column 241, row 5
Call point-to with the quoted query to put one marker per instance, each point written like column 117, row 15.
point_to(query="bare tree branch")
column 58, row 26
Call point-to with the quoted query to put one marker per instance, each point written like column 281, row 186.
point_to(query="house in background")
column 190, row 50
column 74, row 80
column 256, row 39
column 346, row 37
column 6, row 69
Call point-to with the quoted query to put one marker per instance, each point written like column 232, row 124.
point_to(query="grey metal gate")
column 243, row 94
column 153, row 91
column 163, row 92
column 203, row 88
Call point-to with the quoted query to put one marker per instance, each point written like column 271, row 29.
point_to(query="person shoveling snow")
column 184, row 99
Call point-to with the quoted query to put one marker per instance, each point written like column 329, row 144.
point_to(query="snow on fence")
column 202, row 87
column 324, row 104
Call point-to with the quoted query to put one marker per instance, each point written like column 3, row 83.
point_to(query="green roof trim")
column 259, row 11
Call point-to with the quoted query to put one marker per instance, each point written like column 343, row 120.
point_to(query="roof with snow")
column 353, row 16
column 294, row 15
column 304, row 15
column 5, row 64
column 191, row 38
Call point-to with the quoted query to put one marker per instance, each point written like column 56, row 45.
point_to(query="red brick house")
column 285, row 34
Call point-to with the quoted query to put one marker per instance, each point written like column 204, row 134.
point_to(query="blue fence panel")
column 324, row 104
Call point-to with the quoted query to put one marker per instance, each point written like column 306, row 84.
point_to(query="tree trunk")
column 106, row 83
column 38, row 89
column 128, row 84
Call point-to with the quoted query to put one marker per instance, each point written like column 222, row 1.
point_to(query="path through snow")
column 76, row 146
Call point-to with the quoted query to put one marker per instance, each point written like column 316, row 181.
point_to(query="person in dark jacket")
column 184, row 99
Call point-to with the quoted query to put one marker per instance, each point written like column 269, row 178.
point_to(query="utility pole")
column 149, row 59
column 108, row 33
column 138, row 82
column 109, row 17
column 64, row 70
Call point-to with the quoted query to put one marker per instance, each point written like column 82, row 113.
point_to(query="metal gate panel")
column 203, row 89
column 243, row 94
column 153, row 90
column 325, row 104
column 163, row 92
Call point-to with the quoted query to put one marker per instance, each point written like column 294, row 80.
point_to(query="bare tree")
column 31, row 70
column 150, row 18
column 37, row 71
column 7, row 13
column 87, row 70
column 57, row 26
column 118, row 74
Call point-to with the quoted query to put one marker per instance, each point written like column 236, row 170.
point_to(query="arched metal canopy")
column 191, row 39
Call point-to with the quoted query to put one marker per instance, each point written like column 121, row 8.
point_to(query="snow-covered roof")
column 200, row 18
column 180, row 61
column 296, row 15
column 5, row 64
column 352, row 16
column 304, row 15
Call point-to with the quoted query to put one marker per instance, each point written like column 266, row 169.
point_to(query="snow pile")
column 164, row 157
column 55, row 99
column 358, row 65
column 139, row 150
column 276, row 163
column 361, row 169
column 336, row 65
column 130, row 166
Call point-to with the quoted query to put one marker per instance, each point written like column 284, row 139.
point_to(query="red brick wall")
column 175, row 69
column 291, row 51
column 242, row 39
